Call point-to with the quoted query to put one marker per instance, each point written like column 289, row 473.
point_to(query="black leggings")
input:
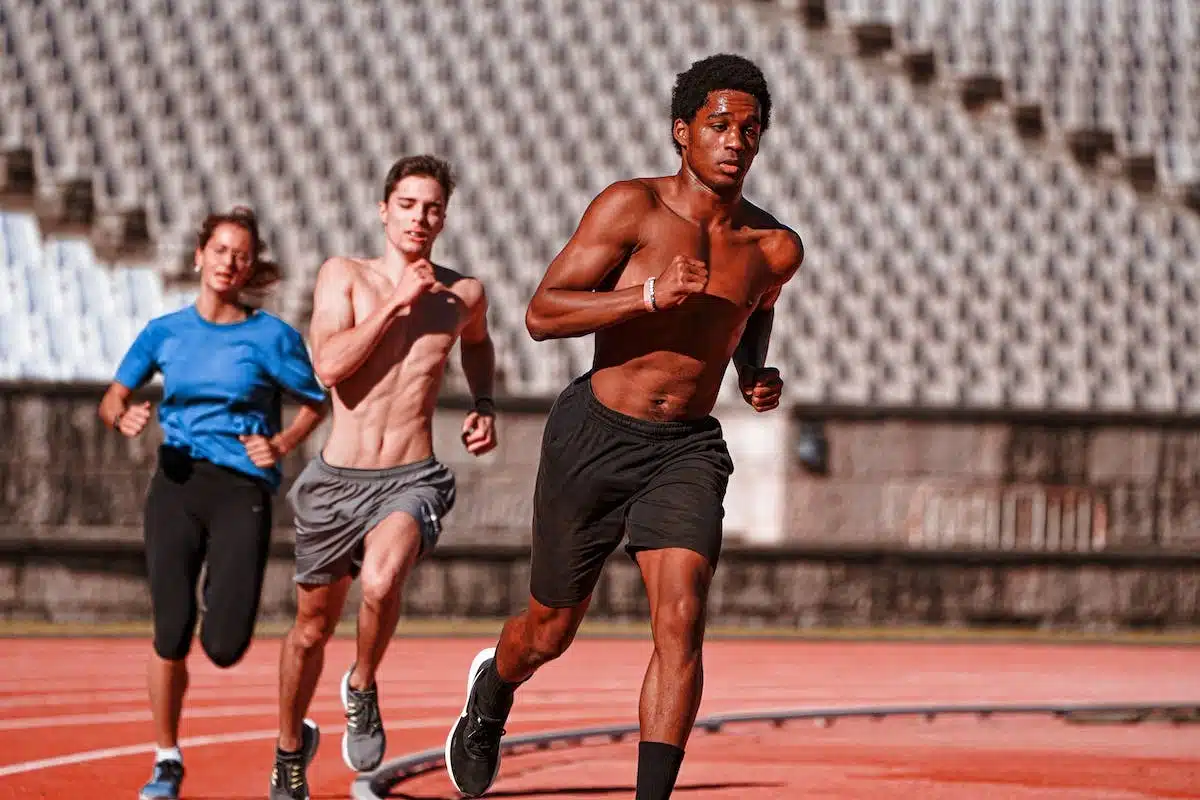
column 194, row 510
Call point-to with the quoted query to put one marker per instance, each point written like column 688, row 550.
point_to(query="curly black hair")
column 712, row 74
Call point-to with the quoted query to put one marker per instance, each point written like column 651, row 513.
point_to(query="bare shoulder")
column 469, row 289
column 781, row 246
column 624, row 204
column 636, row 194
column 340, row 271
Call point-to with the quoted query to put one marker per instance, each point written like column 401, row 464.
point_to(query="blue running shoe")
column 164, row 785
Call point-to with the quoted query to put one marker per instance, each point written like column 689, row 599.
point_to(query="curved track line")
column 378, row 784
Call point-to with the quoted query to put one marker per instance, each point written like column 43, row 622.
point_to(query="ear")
column 383, row 212
column 197, row 257
column 682, row 133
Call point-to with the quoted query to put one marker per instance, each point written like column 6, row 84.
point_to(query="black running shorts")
column 603, row 475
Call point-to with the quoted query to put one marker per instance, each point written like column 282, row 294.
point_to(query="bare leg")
column 167, row 681
column 677, row 582
column 391, row 550
column 303, row 654
column 535, row 636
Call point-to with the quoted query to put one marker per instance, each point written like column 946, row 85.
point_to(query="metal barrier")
column 378, row 784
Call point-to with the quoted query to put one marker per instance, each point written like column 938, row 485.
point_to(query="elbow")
column 326, row 374
column 536, row 323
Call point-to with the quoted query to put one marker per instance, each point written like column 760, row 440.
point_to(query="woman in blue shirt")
column 225, row 367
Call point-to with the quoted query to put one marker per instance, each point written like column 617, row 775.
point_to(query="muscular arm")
column 785, row 254
column 477, row 350
column 339, row 346
column 565, row 303
column 756, row 338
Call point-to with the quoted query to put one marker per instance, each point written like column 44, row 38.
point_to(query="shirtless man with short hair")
column 372, row 502
column 675, row 276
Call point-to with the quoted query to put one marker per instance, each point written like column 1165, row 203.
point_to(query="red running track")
column 74, row 721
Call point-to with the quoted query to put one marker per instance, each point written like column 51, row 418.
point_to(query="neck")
column 219, row 308
column 701, row 201
column 395, row 261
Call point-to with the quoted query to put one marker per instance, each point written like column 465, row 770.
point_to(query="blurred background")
column 992, row 353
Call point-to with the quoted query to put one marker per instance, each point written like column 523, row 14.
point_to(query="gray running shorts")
column 336, row 507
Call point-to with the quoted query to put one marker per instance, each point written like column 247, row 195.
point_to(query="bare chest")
column 428, row 329
column 737, row 270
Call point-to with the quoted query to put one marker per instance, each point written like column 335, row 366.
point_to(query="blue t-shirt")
column 221, row 381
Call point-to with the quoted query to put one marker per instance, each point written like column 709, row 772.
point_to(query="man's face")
column 414, row 214
column 722, row 140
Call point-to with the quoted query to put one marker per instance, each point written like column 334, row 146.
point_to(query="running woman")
column 225, row 368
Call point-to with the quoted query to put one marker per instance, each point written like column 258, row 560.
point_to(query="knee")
column 549, row 635
column 311, row 631
column 679, row 627
column 173, row 643
column 378, row 588
column 223, row 652
column 172, row 648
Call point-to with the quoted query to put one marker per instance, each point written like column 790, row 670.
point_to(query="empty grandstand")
column 953, row 260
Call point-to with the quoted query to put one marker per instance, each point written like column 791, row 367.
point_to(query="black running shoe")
column 473, row 745
column 289, row 777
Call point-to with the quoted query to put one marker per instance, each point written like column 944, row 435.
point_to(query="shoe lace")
column 482, row 735
column 292, row 773
column 362, row 712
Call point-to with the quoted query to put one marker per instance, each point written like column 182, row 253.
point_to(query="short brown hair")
column 424, row 165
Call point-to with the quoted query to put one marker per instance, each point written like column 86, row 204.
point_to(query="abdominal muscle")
column 389, row 423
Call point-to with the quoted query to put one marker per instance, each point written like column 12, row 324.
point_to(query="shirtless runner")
column 372, row 502
column 675, row 276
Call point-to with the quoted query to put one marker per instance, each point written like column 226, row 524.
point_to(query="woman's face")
column 227, row 260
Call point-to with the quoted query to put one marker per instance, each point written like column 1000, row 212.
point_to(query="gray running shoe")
column 364, row 741
column 289, row 777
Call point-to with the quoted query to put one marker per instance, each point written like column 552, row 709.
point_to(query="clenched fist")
column 262, row 451
column 132, row 420
column 683, row 278
column 479, row 432
column 416, row 280
column 761, row 387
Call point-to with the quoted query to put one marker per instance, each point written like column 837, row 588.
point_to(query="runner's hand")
column 132, row 420
column 417, row 279
column 479, row 432
column 262, row 451
column 761, row 387
column 683, row 278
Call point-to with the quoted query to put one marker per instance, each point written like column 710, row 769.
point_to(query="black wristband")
column 484, row 405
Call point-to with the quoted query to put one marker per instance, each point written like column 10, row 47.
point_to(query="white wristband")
column 648, row 295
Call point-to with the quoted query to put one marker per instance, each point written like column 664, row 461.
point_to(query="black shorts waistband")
column 647, row 429
column 380, row 473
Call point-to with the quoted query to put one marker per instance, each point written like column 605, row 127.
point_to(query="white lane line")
column 251, row 736
column 396, row 705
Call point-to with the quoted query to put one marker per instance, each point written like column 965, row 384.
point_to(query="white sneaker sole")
column 472, row 676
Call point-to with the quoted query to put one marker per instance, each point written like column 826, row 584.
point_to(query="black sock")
column 285, row 755
column 495, row 693
column 658, row 767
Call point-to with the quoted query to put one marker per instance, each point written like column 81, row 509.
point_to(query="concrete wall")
column 914, row 522
column 1075, row 486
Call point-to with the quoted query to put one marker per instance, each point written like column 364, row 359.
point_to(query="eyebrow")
column 417, row 200
column 720, row 114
